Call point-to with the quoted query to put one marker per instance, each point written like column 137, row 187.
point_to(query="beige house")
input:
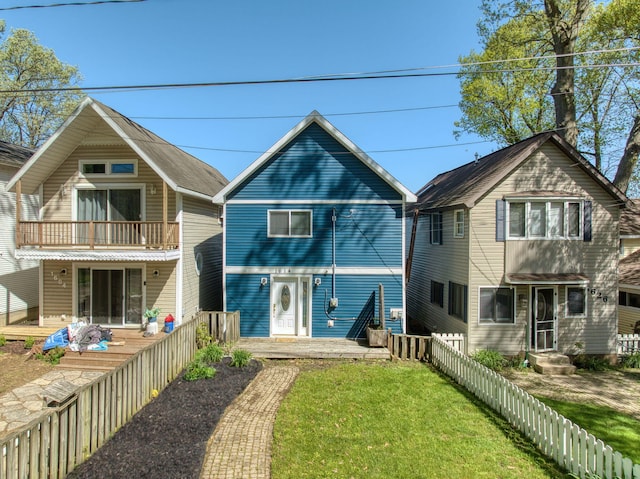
column 126, row 223
column 629, row 277
column 519, row 251
column 18, row 277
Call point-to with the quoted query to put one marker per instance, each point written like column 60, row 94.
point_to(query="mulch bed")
column 168, row 437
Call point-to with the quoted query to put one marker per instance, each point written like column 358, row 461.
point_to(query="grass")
column 382, row 420
column 619, row 431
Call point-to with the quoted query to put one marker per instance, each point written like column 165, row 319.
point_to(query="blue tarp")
column 59, row 338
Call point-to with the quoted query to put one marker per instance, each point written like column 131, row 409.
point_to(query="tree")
column 28, row 113
column 594, row 108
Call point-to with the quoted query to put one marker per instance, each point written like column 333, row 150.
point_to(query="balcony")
column 98, row 234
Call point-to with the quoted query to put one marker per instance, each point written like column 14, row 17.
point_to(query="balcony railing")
column 98, row 234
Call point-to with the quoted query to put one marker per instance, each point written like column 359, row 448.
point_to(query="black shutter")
column 464, row 306
column 500, row 219
column 440, row 226
column 449, row 305
column 587, row 234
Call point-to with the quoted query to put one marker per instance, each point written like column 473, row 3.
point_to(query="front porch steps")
column 551, row 363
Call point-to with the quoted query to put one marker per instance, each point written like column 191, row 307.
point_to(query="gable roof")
column 630, row 220
column 14, row 155
column 317, row 118
column 467, row 184
column 181, row 171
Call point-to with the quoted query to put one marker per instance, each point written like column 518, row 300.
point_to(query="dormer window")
column 111, row 168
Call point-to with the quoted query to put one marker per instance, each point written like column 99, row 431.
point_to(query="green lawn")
column 619, row 431
column 394, row 420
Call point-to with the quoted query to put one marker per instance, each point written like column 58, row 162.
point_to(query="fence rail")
column 62, row 438
column 628, row 344
column 570, row 446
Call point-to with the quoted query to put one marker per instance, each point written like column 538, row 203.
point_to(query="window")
column 576, row 301
column 436, row 228
column 536, row 219
column 458, row 224
column 437, row 293
column 496, row 306
column 458, row 301
column 629, row 299
column 289, row 223
column 113, row 168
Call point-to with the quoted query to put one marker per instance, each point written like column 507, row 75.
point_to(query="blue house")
column 311, row 229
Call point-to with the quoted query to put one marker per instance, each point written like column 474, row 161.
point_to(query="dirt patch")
column 19, row 366
column 168, row 437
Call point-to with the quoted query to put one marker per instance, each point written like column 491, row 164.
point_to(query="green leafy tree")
column 29, row 111
column 554, row 85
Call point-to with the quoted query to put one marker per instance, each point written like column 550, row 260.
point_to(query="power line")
column 69, row 4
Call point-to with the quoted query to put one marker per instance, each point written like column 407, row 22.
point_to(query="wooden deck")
column 310, row 348
column 126, row 343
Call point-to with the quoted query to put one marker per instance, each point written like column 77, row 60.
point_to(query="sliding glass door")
column 115, row 205
column 110, row 296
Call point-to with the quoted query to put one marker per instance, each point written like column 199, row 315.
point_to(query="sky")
column 198, row 41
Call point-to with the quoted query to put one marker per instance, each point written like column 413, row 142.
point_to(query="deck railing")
column 54, row 444
column 91, row 234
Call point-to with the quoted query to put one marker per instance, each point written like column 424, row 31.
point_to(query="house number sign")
column 599, row 295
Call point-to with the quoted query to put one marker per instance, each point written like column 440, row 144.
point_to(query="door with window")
column 110, row 296
column 109, row 205
column 290, row 306
column 545, row 316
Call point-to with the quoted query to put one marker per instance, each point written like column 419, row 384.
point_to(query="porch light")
column 152, row 189
column 317, row 282
column 263, row 281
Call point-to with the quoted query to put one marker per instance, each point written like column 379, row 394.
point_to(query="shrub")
column 240, row 358
column 52, row 356
column 198, row 370
column 632, row 361
column 3, row 340
column 591, row 363
column 29, row 342
column 490, row 359
column 203, row 338
column 210, row 354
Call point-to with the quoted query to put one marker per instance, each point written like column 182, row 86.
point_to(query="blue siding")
column 314, row 166
column 357, row 298
column 366, row 235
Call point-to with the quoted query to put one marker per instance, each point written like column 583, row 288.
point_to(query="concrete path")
column 240, row 446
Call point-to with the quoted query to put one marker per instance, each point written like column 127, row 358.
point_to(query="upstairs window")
column 537, row 219
column 290, row 223
column 436, row 228
column 458, row 224
column 112, row 168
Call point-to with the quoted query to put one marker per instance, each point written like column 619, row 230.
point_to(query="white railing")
column 570, row 446
column 628, row 344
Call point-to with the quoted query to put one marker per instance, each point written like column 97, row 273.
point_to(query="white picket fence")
column 570, row 446
column 628, row 344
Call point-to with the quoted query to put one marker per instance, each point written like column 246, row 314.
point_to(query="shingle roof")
column 14, row 155
column 467, row 184
column 629, row 269
column 630, row 219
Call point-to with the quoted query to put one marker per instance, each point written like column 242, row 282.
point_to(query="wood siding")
column 202, row 235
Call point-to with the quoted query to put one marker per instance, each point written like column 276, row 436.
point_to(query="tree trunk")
column 629, row 157
column 564, row 34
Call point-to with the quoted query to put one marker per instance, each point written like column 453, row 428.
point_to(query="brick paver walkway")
column 240, row 446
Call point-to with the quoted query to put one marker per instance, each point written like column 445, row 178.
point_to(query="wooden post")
column 165, row 212
column 381, row 305
column 18, row 211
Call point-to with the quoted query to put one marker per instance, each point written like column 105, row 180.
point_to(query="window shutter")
column 500, row 219
column 464, row 306
column 450, row 302
column 440, row 227
column 587, row 221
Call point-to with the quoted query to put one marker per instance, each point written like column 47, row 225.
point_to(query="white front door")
column 545, row 318
column 290, row 305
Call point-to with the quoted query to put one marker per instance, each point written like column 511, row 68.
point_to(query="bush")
column 29, row 342
column 591, row 363
column 632, row 361
column 198, row 370
column 210, row 354
column 490, row 359
column 3, row 340
column 240, row 358
column 52, row 356
column 203, row 338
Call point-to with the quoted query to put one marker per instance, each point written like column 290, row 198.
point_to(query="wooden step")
column 89, row 360
column 551, row 363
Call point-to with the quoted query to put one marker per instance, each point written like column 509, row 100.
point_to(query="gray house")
column 518, row 250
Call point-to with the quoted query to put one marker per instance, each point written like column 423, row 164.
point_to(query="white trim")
column 315, row 270
column 192, row 193
column 41, row 294
column 224, row 258
column 270, row 235
column 181, row 263
column 534, row 306
column 315, row 117
column 547, row 202
column 456, row 223
column 274, row 278
column 574, row 282
column 403, row 223
column 98, row 255
column 303, row 201
column 107, row 168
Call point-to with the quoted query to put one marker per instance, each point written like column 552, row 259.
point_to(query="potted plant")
column 376, row 332
column 151, row 314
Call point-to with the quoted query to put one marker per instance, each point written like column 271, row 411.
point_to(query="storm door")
column 544, row 319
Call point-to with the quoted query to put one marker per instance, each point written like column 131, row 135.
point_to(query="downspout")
column 333, row 253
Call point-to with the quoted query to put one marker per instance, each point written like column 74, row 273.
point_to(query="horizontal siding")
column 202, row 234
column 58, row 206
column 314, row 166
column 366, row 236
column 244, row 293
column 627, row 318
column 629, row 246
column 446, row 262
column 57, row 291
column 548, row 169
